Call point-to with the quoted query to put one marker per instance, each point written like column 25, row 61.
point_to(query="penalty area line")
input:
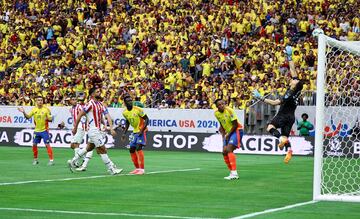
column 98, row 213
column 274, row 210
column 94, row 177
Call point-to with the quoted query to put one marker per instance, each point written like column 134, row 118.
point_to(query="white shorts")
column 96, row 137
column 78, row 137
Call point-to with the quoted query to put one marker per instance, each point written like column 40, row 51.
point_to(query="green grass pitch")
column 197, row 192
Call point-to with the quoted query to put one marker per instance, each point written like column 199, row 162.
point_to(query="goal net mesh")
column 340, row 170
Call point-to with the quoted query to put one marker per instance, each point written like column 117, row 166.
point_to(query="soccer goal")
column 337, row 142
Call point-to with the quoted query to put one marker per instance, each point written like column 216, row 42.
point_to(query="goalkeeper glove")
column 257, row 95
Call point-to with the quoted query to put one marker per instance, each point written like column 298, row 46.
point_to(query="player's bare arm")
column 222, row 131
column 127, row 125
column 108, row 118
column 21, row 109
column 292, row 69
column 272, row 102
column 146, row 121
column 81, row 114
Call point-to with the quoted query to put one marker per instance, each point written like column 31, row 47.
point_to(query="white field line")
column 274, row 210
column 98, row 213
column 93, row 177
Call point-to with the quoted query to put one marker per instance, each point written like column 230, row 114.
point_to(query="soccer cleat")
column 231, row 177
column 71, row 165
column 283, row 142
column 35, row 162
column 51, row 163
column 288, row 157
column 80, row 169
column 140, row 172
column 134, row 171
column 114, row 170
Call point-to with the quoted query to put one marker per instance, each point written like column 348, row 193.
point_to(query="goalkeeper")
column 285, row 117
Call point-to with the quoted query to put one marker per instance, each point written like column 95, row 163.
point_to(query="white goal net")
column 337, row 143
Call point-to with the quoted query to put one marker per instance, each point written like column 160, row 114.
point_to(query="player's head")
column 304, row 116
column 220, row 105
column 81, row 98
column 39, row 101
column 73, row 100
column 128, row 101
column 94, row 92
column 296, row 85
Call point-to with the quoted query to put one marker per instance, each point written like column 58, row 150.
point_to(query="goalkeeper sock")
column 50, row 152
column 35, row 151
column 275, row 132
column 140, row 155
column 227, row 161
column 135, row 160
column 288, row 145
column 232, row 159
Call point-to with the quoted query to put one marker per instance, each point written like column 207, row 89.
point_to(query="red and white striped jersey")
column 94, row 111
column 75, row 110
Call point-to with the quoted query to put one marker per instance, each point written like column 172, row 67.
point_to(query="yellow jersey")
column 226, row 118
column 41, row 117
column 134, row 117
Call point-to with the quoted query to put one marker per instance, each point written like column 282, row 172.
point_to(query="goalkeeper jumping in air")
column 285, row 117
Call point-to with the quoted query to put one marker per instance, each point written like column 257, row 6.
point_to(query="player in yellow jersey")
column 42, row 116
column 232, row 132
column 137, row 118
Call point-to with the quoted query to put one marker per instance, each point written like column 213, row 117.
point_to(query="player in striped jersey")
column 77, row 105
column 94, row 110
column 232, row 132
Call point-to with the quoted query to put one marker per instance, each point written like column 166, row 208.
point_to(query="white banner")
column 260, row 144
column 58, row 138
column 175, row 120
column 339, row 121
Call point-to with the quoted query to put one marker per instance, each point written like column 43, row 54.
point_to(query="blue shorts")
column 137, row 139
column 235, row 138
column 41, row 135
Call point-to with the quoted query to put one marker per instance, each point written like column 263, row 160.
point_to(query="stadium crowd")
column 165, row 53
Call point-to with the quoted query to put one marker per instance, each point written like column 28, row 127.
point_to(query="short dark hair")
column 92, row 90
column 39, row 96
column 299, row 86
column 126, row 96
column 217, row 100
column 305, row 114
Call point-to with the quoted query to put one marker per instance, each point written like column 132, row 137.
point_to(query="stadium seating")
column 194, row 51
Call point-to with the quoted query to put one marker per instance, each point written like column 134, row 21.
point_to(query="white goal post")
column 337, row 141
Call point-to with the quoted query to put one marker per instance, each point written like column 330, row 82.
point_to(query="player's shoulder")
column 229, row 109
column 138, row 108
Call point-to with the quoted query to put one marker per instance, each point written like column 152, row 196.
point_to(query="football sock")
column 140, row 154
column 50, row 152
column 134, row 159
column 275, row 132
column 288, row 145
column 227, row 161
column 35, row 151
column 87, row 158
column 76, row 150
column 105, row 158
column 79, row 154
column 232, row 159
